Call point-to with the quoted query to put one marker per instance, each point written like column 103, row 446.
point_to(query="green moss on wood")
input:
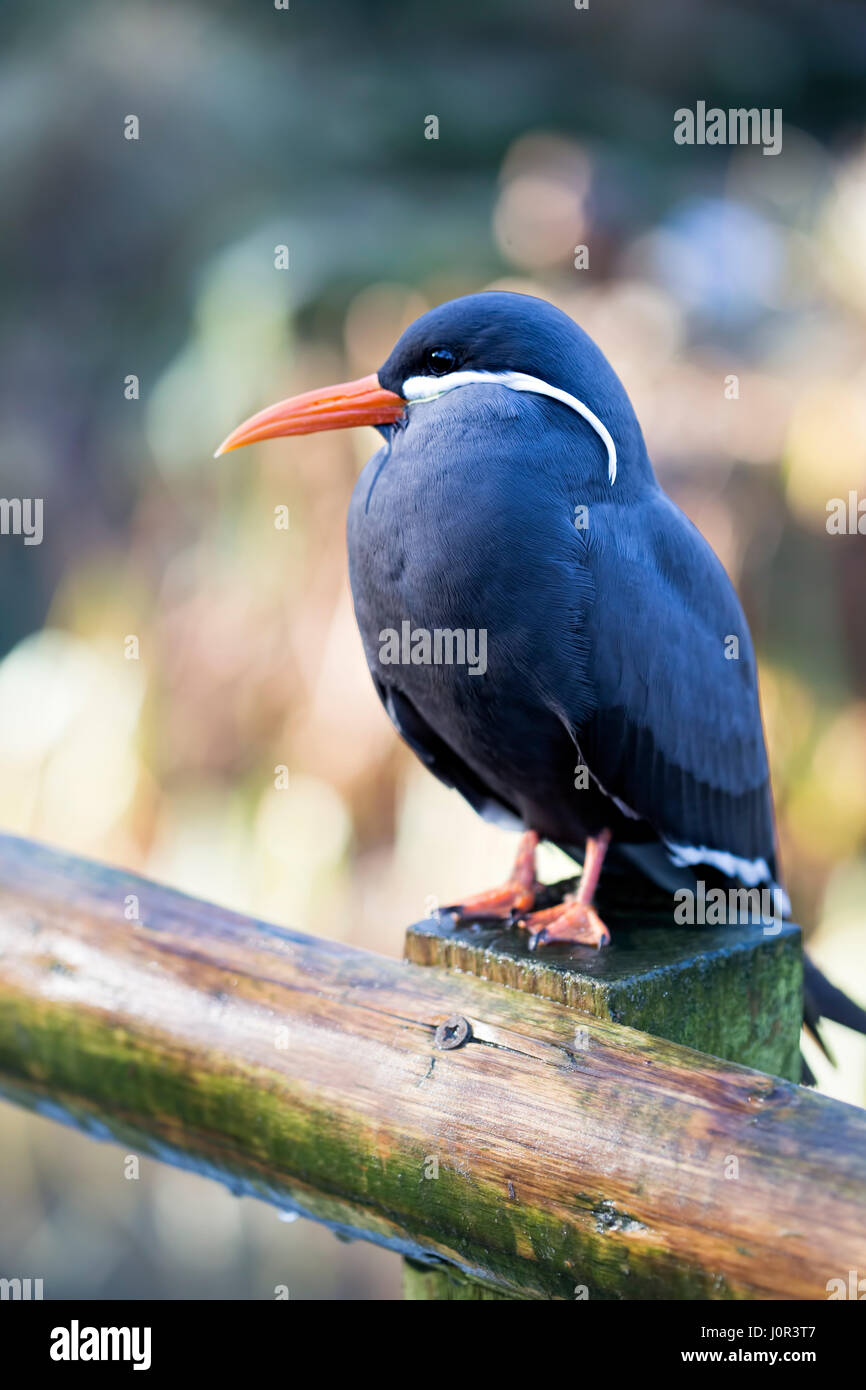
column 424, row 1282
column 248, row 1124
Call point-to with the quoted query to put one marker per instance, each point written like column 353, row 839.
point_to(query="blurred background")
column 155, row 258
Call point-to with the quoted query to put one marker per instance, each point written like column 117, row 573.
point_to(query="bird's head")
column 494, row 338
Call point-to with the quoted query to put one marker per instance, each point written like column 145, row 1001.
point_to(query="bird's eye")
column 441, row 360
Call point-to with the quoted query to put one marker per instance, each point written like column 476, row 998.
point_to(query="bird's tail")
column 821, row 999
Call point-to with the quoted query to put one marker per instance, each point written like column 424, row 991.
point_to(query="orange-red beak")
column 362, row 402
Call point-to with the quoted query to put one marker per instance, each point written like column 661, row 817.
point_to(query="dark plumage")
column 605, row 645
column 513, row 496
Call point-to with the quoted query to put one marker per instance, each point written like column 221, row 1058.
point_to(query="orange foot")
column 516, row 895
column 570, row 921
column 575, row 919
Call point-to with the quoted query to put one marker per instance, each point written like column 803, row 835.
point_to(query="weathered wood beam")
column 536, row 1159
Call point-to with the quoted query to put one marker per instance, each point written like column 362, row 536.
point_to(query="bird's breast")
column 457, row 532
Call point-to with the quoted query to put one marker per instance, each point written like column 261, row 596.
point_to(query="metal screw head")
column 454, row 1032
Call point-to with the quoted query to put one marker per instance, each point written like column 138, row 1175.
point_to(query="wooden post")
column 733, row 992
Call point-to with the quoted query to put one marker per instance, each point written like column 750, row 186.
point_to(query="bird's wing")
column 439, row 758
column 674, row 733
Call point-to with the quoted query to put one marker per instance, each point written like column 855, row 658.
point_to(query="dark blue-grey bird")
column 545, row 628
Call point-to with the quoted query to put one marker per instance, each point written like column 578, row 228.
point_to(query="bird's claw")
column 506, row 902
column 571, row 921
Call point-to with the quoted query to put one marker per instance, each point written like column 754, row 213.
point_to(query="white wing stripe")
column 752, row 872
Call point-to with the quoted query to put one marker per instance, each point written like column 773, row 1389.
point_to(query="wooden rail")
column 547, row 1154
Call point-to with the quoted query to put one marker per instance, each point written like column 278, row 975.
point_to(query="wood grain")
column 536, row 1158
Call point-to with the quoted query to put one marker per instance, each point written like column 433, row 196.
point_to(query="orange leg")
column 517, row 894
column 575, row 919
